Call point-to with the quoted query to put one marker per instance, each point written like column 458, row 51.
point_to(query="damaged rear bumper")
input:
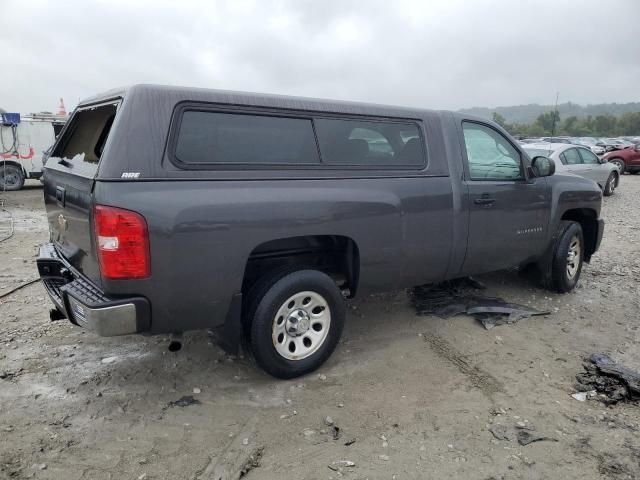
column 84, row 304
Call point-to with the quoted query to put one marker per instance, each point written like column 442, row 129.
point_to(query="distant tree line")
column 550, row 123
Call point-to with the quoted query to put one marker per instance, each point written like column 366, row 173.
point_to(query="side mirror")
column 543, row 166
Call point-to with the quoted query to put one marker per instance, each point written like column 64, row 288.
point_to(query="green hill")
column 529, row 113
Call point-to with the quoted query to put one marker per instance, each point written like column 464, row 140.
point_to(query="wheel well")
column 335, row 255
column 15, row 164
column 588, row 220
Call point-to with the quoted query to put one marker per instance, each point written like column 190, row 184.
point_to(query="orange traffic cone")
column 61, row 110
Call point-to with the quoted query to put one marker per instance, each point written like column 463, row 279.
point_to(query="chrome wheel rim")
column 618, row 164
column 574, row 256
column 301, row 325
column 612, row 183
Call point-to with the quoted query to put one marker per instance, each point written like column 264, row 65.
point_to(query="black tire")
column 612, row 183
column 560, row 280
column 267, row 297
column 11, row 178
column 621, row 165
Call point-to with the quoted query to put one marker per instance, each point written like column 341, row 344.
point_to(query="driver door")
column 508, row 212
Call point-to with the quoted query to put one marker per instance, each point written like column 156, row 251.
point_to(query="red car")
column 627, row 159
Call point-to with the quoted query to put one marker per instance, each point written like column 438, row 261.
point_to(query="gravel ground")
column 413, row 397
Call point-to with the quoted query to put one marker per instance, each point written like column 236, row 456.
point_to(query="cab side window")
column 490, row 155
column 571, row 157
column 588, row 157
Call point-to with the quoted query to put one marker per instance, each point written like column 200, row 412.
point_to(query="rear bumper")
column 78, row 299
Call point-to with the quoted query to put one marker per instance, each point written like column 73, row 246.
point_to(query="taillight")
column 122, row 240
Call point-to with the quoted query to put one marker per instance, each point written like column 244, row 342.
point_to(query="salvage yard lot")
column 409, row 396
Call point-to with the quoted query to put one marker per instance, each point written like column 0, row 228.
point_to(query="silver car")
column 580, row 161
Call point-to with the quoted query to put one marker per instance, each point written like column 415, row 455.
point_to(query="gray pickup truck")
column 172, row 209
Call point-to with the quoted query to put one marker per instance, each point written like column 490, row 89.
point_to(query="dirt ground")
column 413, row 397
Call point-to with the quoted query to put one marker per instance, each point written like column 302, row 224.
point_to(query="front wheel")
column 11, row 178
column 296, row 323
column 618, row 162
column 611, row 184
column 568, row 257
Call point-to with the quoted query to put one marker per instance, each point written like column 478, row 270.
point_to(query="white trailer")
column 23, row 148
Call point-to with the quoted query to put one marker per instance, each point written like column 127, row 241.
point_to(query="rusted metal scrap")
column 614, row 382
column 456, row 297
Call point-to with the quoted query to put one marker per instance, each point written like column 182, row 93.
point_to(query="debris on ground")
column 335, row 432
column 184, row 402
column 8, row 375
column 309, row 432
column 614, row 382
column 523, row 433
column 19, row 287
column 583, row 396
column 525, row 437
column 340, row 464
column 500, row 432
column 253, row 461
column 456, row 297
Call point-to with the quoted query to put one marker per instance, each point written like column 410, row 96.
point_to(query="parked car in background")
column 610, row 144
column 590, row 143
column 580, row 161
column 627, row 159
column 525, row 140
column 257, row 214
column 619, row 143
column 556, row 140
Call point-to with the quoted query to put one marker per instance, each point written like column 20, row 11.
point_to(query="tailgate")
column 68, row 185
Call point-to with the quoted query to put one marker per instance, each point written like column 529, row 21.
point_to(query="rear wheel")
column 611, row 184
column 295, row 322
column 11, row 178
column 568, row 256
column 618, row 162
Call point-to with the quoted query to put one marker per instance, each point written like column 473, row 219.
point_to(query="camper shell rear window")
column 83, row 140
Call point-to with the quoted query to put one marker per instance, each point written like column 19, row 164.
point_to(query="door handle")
column 485, row 199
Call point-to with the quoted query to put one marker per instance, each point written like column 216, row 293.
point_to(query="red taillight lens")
column 122, row 240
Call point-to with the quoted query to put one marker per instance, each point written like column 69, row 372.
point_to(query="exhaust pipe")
column 175, row 342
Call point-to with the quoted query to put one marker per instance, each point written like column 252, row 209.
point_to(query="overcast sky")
column 444, row 54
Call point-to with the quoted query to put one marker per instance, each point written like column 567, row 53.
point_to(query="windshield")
column 538, row 152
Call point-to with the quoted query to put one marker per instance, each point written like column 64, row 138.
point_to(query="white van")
column 23, row 148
